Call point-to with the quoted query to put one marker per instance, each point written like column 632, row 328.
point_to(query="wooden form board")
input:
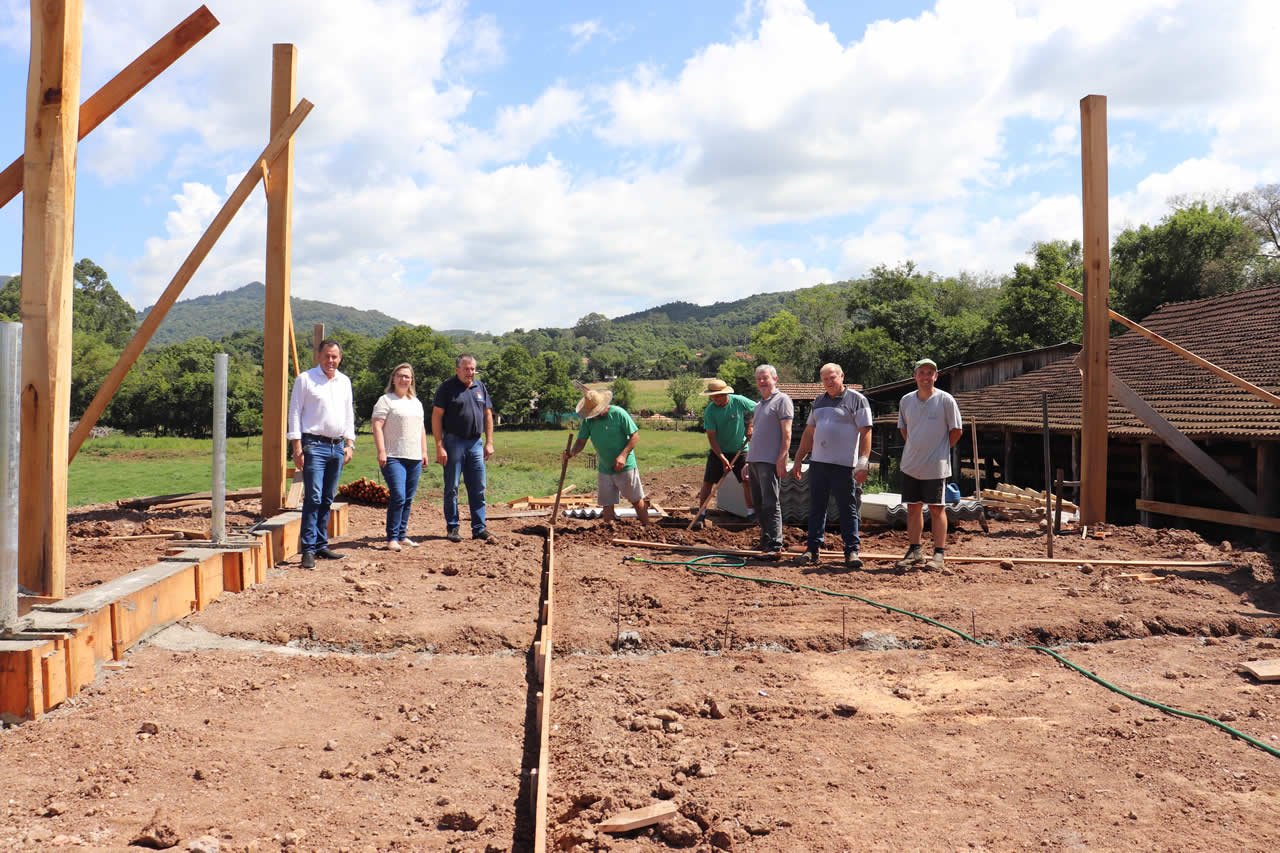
column 48, row 219
column 70, row 639
column 540, row 776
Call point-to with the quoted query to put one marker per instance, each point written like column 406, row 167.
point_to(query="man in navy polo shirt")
column 462, row 423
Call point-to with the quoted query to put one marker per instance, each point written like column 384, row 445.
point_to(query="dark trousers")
column 827, row 479
column 321, row 468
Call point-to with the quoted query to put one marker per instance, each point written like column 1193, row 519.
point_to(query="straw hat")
column 593, row 403
column 717, row 386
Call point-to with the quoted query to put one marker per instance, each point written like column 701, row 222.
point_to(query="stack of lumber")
column 549, row 501
column 365, row 491
column 1015, row 502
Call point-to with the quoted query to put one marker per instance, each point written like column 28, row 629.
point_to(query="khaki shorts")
column 624, row 484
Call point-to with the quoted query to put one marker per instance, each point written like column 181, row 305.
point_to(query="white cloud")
column 584, row 31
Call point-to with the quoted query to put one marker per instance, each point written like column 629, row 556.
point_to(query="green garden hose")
column 699, row 565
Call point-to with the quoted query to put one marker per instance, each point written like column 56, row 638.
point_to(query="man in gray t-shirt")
column 929, row 421
column 770, row 441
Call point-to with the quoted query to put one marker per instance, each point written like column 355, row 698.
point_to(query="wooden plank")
column 53, row 676
column 188, row 269
column 1184, row 447
column 275, row 342
column 48, row 217
column 120, row 88
column 1218, row 516
column 1185, row 353
column 1097, row 284
column 152, row 500
column 169, row 598
column 1263, row 670
column 639, row 818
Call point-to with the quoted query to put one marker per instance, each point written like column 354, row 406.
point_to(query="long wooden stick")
column 120, row 88
column 188, row 269
column 564, row 466
column 715, row 487
column 1071, row 561
column 1174, row 348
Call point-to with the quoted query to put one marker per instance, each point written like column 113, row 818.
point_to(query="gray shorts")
column 624, row 484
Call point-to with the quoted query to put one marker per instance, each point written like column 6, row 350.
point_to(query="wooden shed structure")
column 1238, row 430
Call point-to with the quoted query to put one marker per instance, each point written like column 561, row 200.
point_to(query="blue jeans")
column 466, row 459
column 321, row 468
column 826, row 479
column 402, row 482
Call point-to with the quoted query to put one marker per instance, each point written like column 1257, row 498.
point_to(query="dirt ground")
column 383, row 702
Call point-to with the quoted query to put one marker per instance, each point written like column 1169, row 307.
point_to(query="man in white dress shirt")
column 322, row 431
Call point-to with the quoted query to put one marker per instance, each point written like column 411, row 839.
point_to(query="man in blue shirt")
column 462, row 424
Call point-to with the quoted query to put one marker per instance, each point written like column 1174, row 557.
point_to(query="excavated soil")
column 383, row 702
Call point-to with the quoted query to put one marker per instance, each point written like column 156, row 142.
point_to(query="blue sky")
column 504, row 164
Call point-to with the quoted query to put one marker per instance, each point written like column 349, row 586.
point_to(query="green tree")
column 740, row 374
column 1029, row 311
column 513, row 380
column 780, row 340
column 681, row 388
column 430, row 353
column 673, row 361
column 556, row 395
column 624, row 393
column 96, row 307
column 870, row 357
column 1195, row 252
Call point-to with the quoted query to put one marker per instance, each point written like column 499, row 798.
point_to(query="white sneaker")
column 393, row 545
column 408, row 543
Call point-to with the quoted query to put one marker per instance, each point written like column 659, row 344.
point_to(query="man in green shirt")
column 727, row 421
column 614, row 436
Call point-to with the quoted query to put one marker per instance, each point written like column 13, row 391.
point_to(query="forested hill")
column 221, row 314
column 751, row 310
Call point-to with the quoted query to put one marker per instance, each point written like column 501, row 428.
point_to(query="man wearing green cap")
column 929, row 421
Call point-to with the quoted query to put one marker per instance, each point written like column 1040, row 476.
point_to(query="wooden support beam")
column 120, row 88
column 1268, row 484
column 188, row 269
column 1146, row 482
column 1218, row 516
column 1006, row 467
column 1185, row 353
column 1184, row 447
column 1097, row 284
column 48, row 226
column 275, row 342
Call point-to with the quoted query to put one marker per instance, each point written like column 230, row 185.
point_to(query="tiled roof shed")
column 1239, row 332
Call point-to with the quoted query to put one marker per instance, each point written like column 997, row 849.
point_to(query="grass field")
column 524, row 463
column 652, row 394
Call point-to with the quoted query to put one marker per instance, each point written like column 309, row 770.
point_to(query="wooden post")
column 1048, row 485
column 317, row 335
column 1097, row 284
column 1006, row 469
column 275, row 343
column 1146, row 481
column 48, row 225
column 1268, row 485
column 120, row 88
column 977, row 462
column 1075, row 460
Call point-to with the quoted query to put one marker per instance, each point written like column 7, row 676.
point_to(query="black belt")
column 309, row 436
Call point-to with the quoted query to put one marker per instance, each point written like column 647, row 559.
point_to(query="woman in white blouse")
column 399, row 432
